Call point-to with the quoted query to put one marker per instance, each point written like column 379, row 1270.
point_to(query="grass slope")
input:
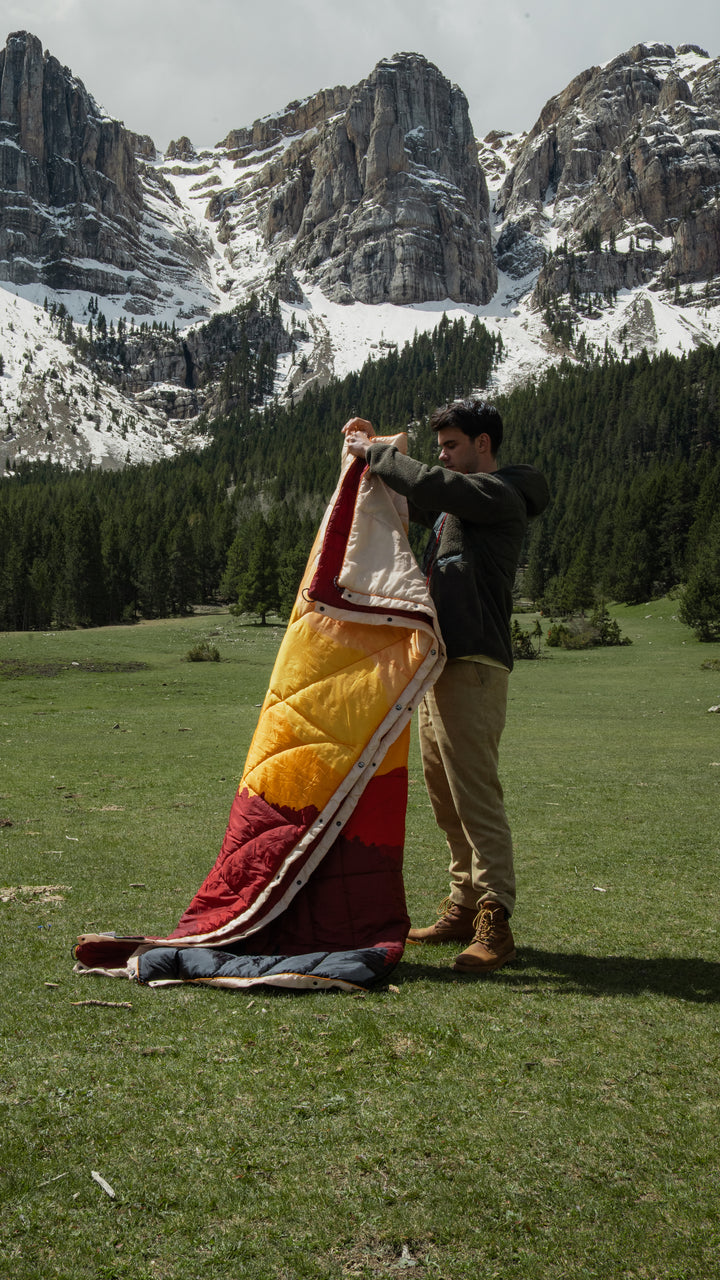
column 558, row 1120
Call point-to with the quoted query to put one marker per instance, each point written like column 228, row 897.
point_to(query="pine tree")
column 80, row 593
column 700, row 603
column 579, row 581
column 290, row 572
column 182, row 576
column 258, row 590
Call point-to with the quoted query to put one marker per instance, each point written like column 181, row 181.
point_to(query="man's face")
column 462, row 453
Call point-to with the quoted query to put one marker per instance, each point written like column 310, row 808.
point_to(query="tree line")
column 629, row 447
column 94, row 547
column 631, row 452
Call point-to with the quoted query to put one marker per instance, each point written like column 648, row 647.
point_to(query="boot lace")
column 448, row 908
column 483, row 924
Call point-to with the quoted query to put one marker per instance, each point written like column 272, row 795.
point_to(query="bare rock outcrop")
column 597, row 272
column 180, row 374
column 76, row 210
column 270, row 132
column 180, row 149
column 57, row 152
column 375, row 192
column 695, row 254
column 632, row 148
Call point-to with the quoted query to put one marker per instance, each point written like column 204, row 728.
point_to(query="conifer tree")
column 258, row 589
column 80, row 593
column 182, row 576
column 700, row 603
column 290, row 571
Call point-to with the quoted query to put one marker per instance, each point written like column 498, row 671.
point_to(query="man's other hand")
column 358, row 434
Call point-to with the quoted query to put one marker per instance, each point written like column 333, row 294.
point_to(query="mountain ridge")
column 365, row 213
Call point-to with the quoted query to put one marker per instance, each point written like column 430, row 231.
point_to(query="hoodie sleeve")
column 481, row 498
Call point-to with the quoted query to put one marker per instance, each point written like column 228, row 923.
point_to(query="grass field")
column 556, row 1121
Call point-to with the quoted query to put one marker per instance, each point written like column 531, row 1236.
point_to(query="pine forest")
column 630, row 449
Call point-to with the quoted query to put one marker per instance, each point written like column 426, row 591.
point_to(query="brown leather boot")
column 454, row 924
column 492, row 945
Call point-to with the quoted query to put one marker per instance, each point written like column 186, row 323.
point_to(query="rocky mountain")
column 80, row 210
column 627, row 151
column 383, row 200
column 354, row 217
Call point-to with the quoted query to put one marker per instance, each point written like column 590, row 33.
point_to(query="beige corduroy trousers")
column 461, row 720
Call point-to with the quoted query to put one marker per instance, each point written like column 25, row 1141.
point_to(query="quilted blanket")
column 307, row 890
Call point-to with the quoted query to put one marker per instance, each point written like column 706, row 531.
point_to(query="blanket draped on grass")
column 307, row 891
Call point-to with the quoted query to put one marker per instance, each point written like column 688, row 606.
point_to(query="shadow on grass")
column 567, row 973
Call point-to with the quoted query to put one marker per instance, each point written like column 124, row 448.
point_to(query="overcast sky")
column 172, row 67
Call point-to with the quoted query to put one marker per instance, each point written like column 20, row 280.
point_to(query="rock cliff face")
column 156, row 362
column 57, row 153
column 630, row 149
column 376, row 193
column 297, row 118
column 605, row 218
column 373, row 193
column 75, row 214
column 696, row 246
column 600, row 272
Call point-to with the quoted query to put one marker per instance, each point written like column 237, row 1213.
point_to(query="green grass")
column 557, row 1121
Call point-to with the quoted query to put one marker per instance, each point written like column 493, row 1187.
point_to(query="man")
column 478, row 513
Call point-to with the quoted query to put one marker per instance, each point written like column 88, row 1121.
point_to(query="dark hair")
column 473, row 417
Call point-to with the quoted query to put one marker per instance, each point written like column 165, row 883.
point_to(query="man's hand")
column 358, row 434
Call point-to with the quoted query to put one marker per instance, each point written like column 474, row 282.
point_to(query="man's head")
column 469, row 435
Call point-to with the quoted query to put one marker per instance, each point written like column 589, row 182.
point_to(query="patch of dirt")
column 11, row 668
column 37, row 892
column 380, row 1261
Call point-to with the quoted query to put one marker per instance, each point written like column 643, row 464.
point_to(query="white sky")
column 172, row 67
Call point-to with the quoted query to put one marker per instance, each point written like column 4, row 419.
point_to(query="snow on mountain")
column 574, row 200
column 53, row 407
